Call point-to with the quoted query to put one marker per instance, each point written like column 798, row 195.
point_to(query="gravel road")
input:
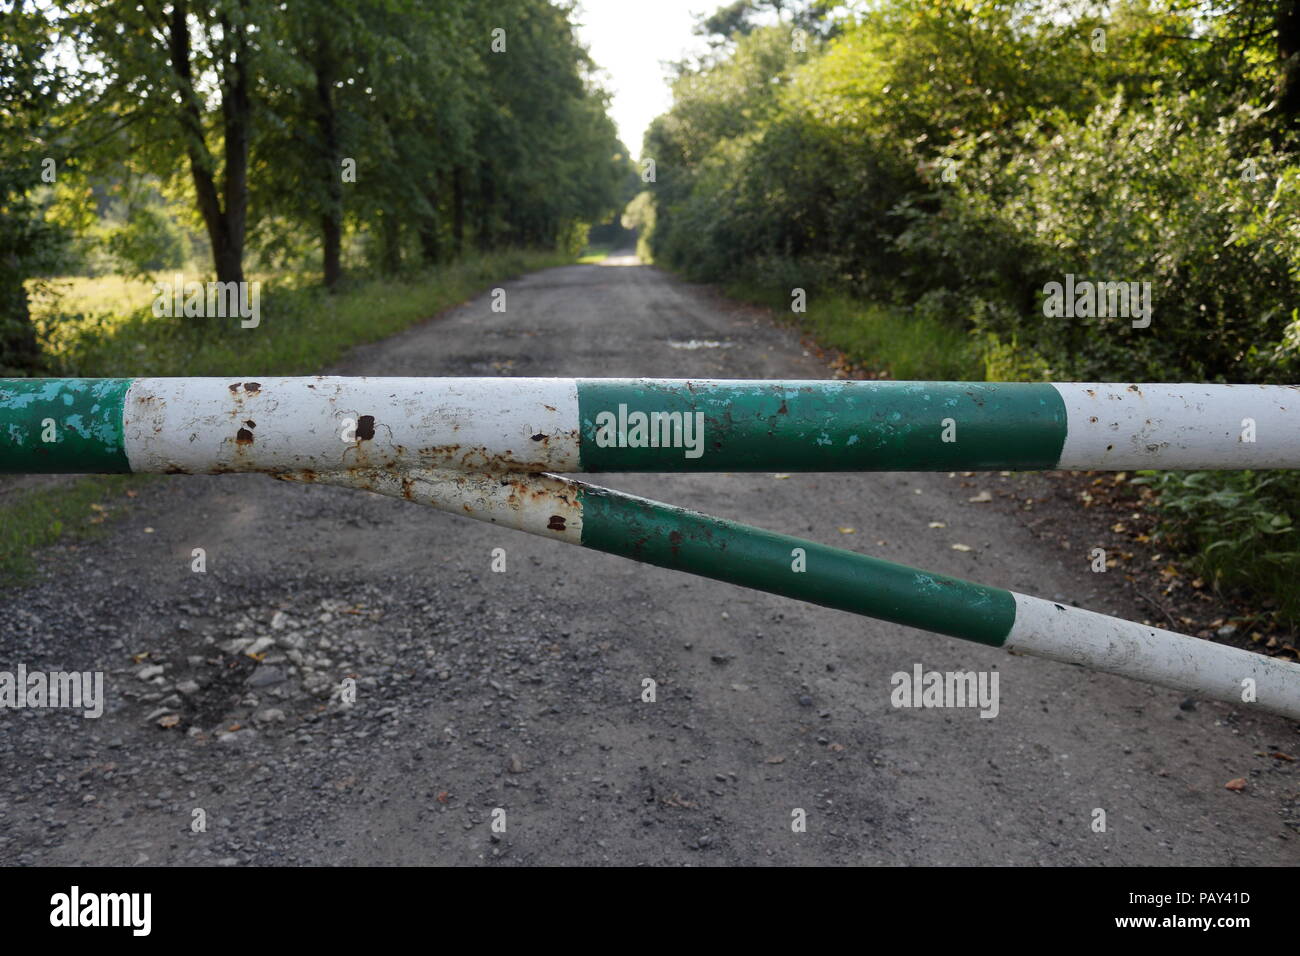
column 517, row 696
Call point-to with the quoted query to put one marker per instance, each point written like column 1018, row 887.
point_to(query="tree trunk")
column 225, row 226
column 236, row 111
column 458, row 210
column 332, row 216
column 331, row 244
column 486, row 236
column 19, row 350
column 430, row 239
column 1287, row 21
column 430, row 243
column 391, row 261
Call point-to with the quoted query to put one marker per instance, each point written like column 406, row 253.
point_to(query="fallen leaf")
column 982, row 497
column 171, row 720
column 1281, row 756
column 937, row 524
column 1237, row 784
column 778, row 477
column 780, row 758
column 961, row 547
column 848, row 531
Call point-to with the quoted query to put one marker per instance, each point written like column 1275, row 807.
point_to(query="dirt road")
column 521, row 691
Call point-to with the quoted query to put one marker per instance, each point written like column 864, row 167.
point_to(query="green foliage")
column 973, row 153
column 945, row 161
column 1241, row 525
column 918, row 347
column 387, row 133
column 1152, row 195
column 640, row 216
column 149, row 240
column 31, row 83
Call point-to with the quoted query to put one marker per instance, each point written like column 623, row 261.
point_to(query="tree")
column 31, row 84
column 181, row 79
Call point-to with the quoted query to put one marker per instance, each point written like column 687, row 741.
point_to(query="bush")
column 1240, row 525
column 1144, row 195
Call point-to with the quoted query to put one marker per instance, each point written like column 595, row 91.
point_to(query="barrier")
column 592, row 425
column 481, row 447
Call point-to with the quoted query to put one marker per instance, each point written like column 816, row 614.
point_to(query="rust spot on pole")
column 243, row 437
column 556, row 523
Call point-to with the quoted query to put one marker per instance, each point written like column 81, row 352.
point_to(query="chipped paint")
column 204, row 426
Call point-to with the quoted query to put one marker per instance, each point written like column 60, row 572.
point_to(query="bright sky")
column 629, row 41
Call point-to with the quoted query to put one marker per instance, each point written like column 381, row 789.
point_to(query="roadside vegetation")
column 350, row 167
column 923, row 170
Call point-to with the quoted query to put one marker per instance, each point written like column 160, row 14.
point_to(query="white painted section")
column 539, row 504
column 293, row 424
column 1114, row 427
column 1189, row 664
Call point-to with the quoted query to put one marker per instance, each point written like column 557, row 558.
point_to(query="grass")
column 909, row 346
column 33, row 518
column 105, row 327
column 302, row 328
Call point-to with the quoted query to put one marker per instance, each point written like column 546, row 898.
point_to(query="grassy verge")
column 884, row 339
column 112, row 332
column 302, row 329
column 33, row 518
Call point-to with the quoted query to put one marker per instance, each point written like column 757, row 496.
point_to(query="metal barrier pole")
column 478, row 446
column 671, row 537
column 213, row 425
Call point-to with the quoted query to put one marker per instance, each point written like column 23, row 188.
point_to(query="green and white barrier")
column 275, row 425
column 482, row 447
column 670, row 537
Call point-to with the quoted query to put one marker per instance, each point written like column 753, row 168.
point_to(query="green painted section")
column 688, row 541
column 81, row 417
column 819, row 426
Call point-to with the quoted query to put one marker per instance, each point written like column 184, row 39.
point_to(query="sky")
column 629, row 40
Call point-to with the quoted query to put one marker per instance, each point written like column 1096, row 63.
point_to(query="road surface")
column 516, row 696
